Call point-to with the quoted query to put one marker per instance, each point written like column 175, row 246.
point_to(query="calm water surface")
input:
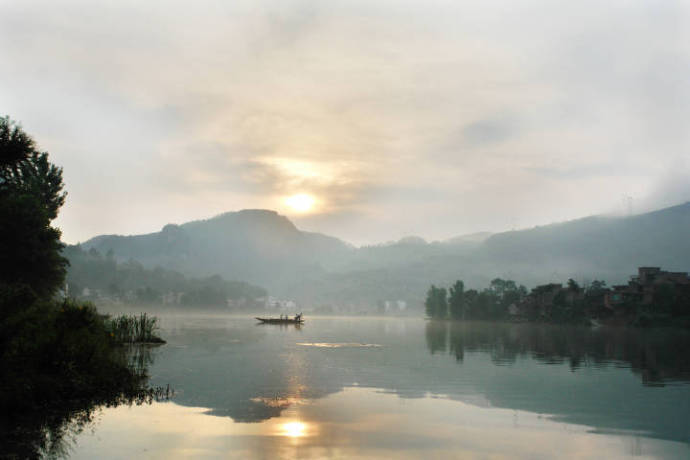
column 404, row 388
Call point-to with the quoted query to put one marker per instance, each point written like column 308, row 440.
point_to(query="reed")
column 135, row 329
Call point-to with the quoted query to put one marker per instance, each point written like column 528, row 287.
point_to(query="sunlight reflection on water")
column 359, row 423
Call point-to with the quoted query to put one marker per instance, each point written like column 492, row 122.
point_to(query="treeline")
column 492, row 302
column 656, row 303
column 95, row 276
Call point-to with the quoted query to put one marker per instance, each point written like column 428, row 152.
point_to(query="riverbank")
column 60, row 361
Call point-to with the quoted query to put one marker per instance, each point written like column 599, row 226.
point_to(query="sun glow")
column 300, row 202
column 294, row 429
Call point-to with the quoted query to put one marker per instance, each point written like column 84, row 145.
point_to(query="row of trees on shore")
column 662, row 301
column 456, row 302
column 505, row 299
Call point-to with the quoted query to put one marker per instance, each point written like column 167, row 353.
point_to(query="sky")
column 381, row 119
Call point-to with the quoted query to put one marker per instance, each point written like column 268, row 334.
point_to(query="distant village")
column 266, row 303
column 179, row 298
column 650, row 297
column 650, row 287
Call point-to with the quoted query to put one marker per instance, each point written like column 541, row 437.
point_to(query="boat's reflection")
column 297, row 326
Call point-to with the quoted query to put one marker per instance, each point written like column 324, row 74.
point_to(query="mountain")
column 265, row 248
column 478, row 237
column 598, row 244
column 252, row 245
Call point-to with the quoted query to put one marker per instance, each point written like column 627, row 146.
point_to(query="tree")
column 498, row 286
column 470, row 299
column 456, row 300
column 484, row 303
column 436, row 303
column 30, row 197
column 596, row 288
column 503, row 293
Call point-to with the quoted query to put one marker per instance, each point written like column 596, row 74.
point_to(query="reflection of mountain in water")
column 578, row 375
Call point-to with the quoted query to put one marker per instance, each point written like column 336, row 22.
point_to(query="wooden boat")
column 281, row 321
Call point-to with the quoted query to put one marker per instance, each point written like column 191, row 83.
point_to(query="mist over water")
column 625, row 391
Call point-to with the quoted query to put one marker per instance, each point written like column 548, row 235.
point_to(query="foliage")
column 595, row 288
column 26, row 171
column 130, row 282
column 490, row 303
column 456, row 300
column 30, row 197
column 572, row 285
column 436, row 303
column 58, row 358
column 575, row 304
column 59, row 350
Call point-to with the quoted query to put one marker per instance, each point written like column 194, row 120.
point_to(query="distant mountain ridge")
column 660, row 237
column 251, row 245
column 265, row 248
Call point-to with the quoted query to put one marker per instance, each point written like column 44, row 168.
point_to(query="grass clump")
column 134, row 329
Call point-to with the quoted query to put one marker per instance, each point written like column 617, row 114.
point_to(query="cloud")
column 670, row 189
column 487, row 132
column 435, row 119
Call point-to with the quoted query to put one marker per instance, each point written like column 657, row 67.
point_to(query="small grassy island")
column 134, row 329
column 60, row 358
column 651, row 298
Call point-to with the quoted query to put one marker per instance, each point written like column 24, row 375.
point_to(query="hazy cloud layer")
column 429, row 118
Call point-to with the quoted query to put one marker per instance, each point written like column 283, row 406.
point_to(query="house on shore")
column 652, row 289
column 645, row 288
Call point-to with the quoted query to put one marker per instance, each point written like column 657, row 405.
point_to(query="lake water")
column 404, row 388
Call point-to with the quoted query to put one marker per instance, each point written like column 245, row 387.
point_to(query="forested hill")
column 267, row 249
column 602, row 243
column 95, row 276
column 258, row 246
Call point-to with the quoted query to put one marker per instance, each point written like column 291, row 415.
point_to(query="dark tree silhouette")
column 456, row 300
column 30, row 197
column 436, row 303
column 59, row 358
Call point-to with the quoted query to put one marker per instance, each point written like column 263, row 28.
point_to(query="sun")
column 294, row 429
column 300, row 202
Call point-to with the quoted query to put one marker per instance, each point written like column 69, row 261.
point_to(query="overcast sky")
column 429, row 118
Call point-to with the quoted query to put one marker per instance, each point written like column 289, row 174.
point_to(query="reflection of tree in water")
column 654, row 354
column 437, row 336
column 50, row 432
